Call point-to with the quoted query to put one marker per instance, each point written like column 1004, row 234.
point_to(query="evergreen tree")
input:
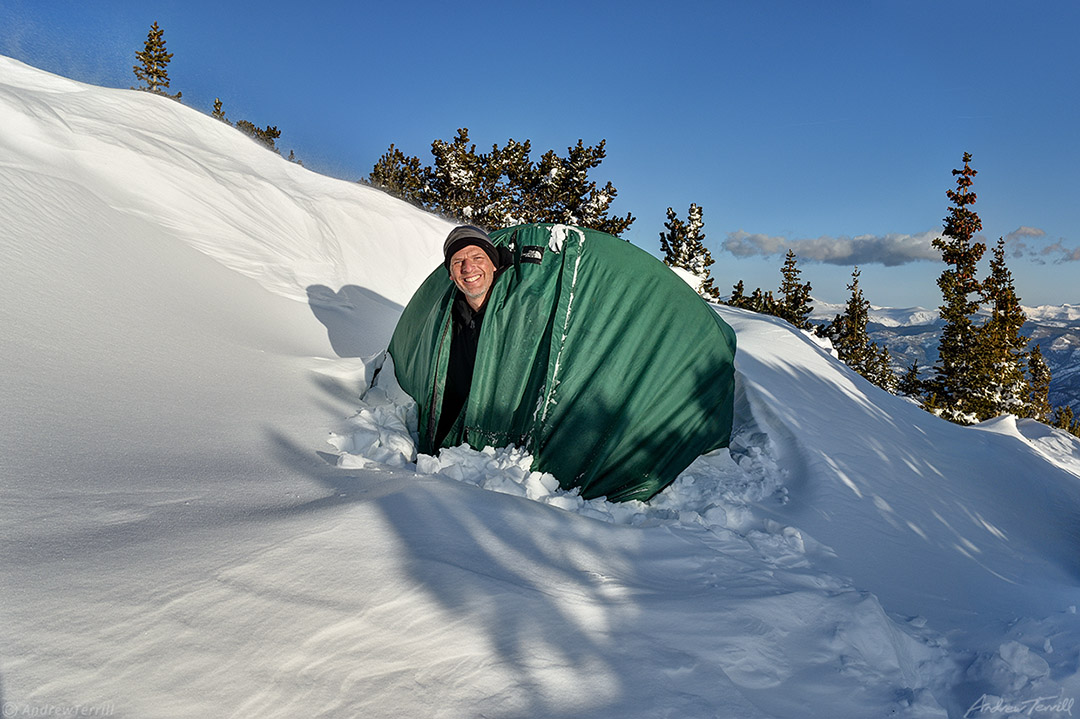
column 956, row 379
column 684, row 246
column 930, row 401
column 795, row 303
column 883, row 374
column 852, row 342
column 763, row 302
column 400, row 175
column 152, row 71
column 1001, row 354
column 1039, row 381
column 513, row 169
column 848, row 330
column 463, row 183
column 738, row 295
column 504, row 187
column 910, row 385
column 580, row 202
column 558, row 189
column 218, row 112
column 265, row 136
column 1063, row 418
column 757, row 301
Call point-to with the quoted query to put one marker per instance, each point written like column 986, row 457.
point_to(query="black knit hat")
column 464, row 236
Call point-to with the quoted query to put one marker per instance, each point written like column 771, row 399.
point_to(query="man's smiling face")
column 473, row 272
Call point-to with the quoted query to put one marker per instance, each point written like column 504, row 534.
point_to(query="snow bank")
column 185, row 315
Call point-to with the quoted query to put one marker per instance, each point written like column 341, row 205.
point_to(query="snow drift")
column 187, row 318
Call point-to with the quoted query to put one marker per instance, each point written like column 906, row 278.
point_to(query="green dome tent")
column 593, row 355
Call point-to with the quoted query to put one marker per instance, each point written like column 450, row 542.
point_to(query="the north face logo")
column 533, row 254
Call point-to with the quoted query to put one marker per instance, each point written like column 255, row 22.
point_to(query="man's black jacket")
column 465, row 334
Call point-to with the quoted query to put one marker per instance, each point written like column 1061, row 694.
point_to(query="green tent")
column 593, row 355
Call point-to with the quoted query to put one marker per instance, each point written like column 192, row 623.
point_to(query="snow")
column 560, row 234
column 884, row 316
column 1050, row 314
column 209, row 509
column 1053, row 315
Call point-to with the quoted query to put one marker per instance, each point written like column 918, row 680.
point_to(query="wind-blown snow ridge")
column 226, row 196
column 178, row 541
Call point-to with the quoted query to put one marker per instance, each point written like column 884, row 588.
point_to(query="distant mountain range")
column 912, row 334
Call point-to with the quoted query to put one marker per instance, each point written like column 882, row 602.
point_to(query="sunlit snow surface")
column 187, row 318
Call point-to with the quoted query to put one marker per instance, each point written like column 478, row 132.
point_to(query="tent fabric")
column 593, row 355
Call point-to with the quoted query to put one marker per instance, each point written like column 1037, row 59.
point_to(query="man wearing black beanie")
column 474, row 263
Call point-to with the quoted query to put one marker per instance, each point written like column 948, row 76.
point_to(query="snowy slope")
column 186, row 318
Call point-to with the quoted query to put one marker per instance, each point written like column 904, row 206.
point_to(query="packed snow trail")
column 184, row 315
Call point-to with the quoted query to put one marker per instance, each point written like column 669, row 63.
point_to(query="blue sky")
column 796, row 124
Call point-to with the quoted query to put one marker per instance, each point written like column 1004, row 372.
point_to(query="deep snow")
column 202, row 516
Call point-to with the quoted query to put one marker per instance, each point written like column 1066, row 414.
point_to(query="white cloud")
column 1017, row 240
column 1023, row 232
column 1064, row 254
column 744, row 244
column 890, row 250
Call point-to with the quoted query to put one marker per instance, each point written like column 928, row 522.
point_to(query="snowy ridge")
column 185, row 316
column 232, row 200
column 884, row 316
column 1053, row 313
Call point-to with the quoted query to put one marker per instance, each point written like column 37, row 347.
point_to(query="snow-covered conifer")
column 683, row 245
column 1000, row 353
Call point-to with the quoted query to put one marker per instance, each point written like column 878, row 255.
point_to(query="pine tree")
column 684, row 246
column 757, row 301
column 848, row 330
column 1001, row 354
column 956, row 379
column 1063, row 418
column 910, row 385
column 738, row 295
column 152, row 71
column 795, row 303
column 883, row 375
column 463, row 183
column 265, row 136
column 852, row 342
column 218, row 112
column 1039, row 381
column 513, row 171
column 763, row 302
column 565, row 194
column 400, row 175
column 504, row 187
